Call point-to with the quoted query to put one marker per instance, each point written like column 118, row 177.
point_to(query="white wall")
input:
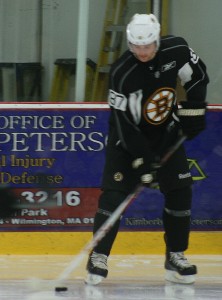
column 20, row 31
column 59, row 36
column 199, row 21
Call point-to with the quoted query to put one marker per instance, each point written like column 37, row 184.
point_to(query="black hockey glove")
column 147, row 172
column 192, row 117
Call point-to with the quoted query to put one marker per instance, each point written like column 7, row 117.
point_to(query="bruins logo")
column 159, row 105
column 118, row 176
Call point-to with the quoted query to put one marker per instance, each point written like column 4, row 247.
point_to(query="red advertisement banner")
column 56, row 210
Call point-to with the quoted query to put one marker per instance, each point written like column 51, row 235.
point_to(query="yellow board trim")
column 70, row 243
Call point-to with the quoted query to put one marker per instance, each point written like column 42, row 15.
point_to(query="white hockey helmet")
column 143, row 29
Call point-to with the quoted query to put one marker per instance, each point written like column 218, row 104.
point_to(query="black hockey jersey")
column 142, row 96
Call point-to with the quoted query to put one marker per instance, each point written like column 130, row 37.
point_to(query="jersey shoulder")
column 171, row 42
column 124, row 59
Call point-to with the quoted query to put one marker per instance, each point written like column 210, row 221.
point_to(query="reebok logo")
column 183, row 176
column 168, row 66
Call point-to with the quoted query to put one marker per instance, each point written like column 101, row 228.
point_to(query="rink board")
column 71, row 243
column 66, row 143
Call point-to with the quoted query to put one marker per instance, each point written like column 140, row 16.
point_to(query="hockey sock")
column 176, row 232
column 108, row 202
column 106, row 243
column 176, row 219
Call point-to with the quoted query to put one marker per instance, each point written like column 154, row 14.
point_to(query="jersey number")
column 194, row 57
column 117, row 101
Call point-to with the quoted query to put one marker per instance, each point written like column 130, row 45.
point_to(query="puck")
column 61, row 289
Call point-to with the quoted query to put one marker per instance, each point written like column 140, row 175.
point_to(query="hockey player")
column 145, row 121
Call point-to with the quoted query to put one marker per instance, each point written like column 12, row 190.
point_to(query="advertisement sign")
column 52, row 156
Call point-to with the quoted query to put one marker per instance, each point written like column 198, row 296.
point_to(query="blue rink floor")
column 130, row 277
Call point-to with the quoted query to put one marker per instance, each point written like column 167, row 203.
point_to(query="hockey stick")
column 105, row 228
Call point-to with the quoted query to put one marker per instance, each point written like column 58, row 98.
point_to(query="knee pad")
column 178, row 202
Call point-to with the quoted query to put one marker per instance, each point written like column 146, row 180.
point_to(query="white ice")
column 130, row 277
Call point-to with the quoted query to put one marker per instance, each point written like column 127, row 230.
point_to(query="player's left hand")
column 192, row 117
